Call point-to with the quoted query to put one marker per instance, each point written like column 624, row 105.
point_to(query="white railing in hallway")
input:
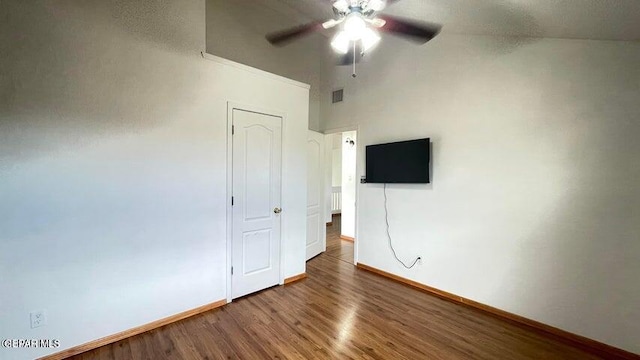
column 336, row 200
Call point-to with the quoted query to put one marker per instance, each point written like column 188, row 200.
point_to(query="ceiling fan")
column 359, row 23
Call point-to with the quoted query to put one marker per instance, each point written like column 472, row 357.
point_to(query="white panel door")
column 257, row 153
column 316, row 227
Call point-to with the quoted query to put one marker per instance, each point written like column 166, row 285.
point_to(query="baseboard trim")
column 584, row 343
column 292, row 279
column 347, row 238
column 132, row 332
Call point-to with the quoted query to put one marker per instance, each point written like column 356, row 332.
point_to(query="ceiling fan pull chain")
column 354, row 60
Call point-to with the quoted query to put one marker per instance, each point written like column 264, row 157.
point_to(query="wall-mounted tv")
column 404, row 162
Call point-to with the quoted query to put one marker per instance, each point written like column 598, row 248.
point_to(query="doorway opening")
column 341, row 230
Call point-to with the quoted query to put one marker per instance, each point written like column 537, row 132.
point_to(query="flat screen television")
column 404, row 162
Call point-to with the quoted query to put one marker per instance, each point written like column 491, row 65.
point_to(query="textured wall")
column 533, row 206
column 113, row 166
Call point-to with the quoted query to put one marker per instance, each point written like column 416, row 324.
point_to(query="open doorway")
column 341, row 230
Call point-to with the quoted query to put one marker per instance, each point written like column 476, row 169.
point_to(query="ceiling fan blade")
column 340, row 5
column 413, row 30
column 284, row 37
column 376, row 22
column 332, row 23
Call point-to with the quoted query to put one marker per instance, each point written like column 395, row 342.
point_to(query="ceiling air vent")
column 337, row 96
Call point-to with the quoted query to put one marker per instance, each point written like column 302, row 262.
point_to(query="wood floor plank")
column 340, row 312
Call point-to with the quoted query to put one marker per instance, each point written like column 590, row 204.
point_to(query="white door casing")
column 256, row 192
column 316, row 227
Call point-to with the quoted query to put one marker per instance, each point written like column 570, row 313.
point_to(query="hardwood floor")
column 340, row 312
column 336, row 247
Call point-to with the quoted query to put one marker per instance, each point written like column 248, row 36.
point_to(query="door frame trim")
column 229, row 239
column 359, row 152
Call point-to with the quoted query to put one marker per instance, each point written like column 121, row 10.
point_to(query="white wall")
column 348, row 213
column 336, row 167
column 336, row 160
column 112, row 166
column 328, row 156
column 534, row 206
column 236, row 30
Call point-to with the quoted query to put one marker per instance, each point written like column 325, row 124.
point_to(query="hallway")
column 336, row 247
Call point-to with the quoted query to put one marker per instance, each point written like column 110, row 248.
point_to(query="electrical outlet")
column 38, row 319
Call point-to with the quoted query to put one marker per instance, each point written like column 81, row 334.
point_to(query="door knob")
column 277, row 210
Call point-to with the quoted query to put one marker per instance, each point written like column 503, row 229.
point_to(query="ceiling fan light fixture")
column 340, row 42
column 370, row 39
column 355, row 26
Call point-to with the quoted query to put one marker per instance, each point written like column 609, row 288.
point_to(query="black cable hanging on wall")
column 386, row 219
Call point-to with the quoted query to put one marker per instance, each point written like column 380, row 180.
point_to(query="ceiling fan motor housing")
column 364, row 7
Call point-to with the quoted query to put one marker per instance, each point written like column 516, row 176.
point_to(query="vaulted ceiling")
column 574, row 19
